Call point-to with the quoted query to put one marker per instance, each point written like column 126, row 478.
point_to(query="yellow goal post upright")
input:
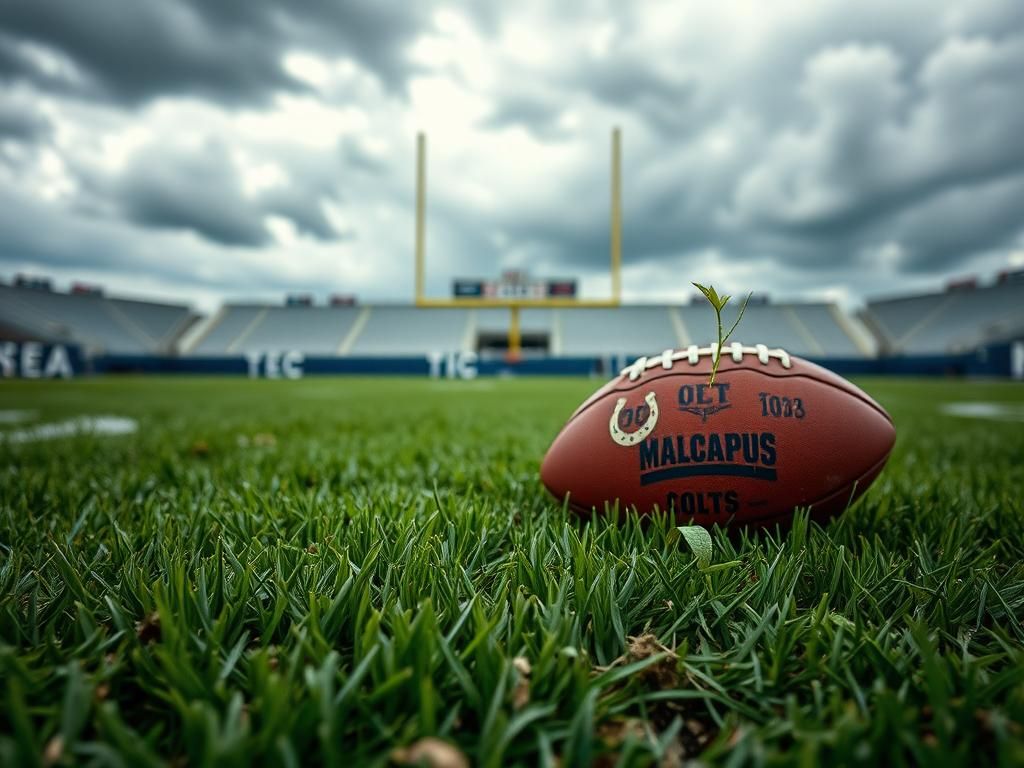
column 514, row 305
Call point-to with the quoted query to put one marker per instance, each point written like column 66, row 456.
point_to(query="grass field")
column 326, row 571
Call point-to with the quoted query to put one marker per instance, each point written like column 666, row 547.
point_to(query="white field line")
column 83, row 425
column 985, row 410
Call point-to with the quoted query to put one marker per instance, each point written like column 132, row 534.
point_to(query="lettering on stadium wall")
column 452, row 365
column 35, row 360
column 275, row 365
column 731, row 454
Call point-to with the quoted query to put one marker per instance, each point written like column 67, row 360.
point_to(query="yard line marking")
column 985, row 410
column 83, row 425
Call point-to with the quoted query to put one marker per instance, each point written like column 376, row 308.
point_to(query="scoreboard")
column 467, row 289
column 514, row 284
column 562, row 288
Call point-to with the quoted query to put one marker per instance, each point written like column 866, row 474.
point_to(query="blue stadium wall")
column 33, row 360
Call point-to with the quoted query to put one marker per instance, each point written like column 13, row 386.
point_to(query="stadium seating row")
column 939, row 323
column 97, row 323
column 951, row 322
column 812, row 329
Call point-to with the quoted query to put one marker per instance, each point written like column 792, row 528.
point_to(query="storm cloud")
column 806, row 149
column 229, row 51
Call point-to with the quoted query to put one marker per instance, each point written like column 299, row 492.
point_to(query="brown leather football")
column 772, row 433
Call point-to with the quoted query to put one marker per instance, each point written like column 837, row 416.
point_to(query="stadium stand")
column 230, row 323
column 840, row 334
column 244, row 328
column 530, row 320
column 97, row 323
column 951, row 322
column 813, row 330
column 405, row 330
column 961, row 319
column 380, row 330
column 163, row 323
column 823, row 322
column 322, row 329
column 765, row 324
column 626, row 330
column 810, row 330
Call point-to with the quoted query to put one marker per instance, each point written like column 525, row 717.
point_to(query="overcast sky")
column 203, row 150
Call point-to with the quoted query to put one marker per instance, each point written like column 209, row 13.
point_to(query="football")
column 772, row 433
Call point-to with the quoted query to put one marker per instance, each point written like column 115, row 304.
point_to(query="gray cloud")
column 101, row 247
column 882, row 144
column 304, row 208
column 12, row 61
column 21, row 122
column 229, row 50
column 961, row 219
column 812, row 141
column 884, row 147
column 633, row 83
column 197, row 191
column 357, row 158
column 132, row 50
column 531, row 106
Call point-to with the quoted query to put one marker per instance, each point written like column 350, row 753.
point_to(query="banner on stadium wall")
column 36, row 360
column 295, row 365
column 1006, row 359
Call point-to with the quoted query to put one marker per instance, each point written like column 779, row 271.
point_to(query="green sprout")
column 719, row 302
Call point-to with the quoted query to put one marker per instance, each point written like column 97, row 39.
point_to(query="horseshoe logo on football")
column 632, row 438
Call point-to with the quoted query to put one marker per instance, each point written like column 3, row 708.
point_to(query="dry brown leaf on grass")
column 615, row 731
column 674, row 755
column 264, row 440
column 54, row 751
column 431, row 753
column 662, row 674
column 613, row 734
column 521, row 693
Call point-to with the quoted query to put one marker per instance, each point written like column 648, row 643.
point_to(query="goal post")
column 616, row 215
column 514, row 305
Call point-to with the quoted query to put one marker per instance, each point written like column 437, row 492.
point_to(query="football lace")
column 693, row 353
